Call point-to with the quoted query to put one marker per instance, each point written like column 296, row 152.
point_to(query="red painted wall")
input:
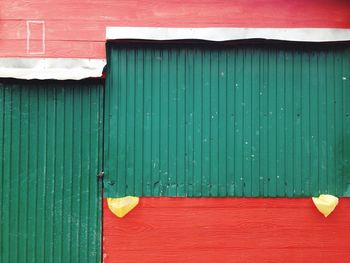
column 76, row 28
column 227, row 230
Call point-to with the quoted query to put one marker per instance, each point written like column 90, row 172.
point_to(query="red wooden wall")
column 76, row 28
column 227, row 230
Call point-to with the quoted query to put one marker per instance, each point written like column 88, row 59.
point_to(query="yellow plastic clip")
column 122, row 206
column 325, row 203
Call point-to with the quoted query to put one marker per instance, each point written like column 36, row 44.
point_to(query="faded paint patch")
column 36, row 37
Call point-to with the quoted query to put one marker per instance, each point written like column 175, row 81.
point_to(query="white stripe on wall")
column 225, row 34
column 80, row 68
column 51, row 68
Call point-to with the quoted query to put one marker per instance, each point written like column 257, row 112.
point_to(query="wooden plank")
column 55, row 49
column 82, row 24
column 273, row 13
column 77, row 30
column 273, row 255
column 227, row 230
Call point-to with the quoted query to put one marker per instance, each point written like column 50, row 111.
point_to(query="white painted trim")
column 226, row 34
column 51, row 68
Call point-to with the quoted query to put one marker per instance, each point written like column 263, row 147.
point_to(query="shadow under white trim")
column 51, row 68
column 229, row 33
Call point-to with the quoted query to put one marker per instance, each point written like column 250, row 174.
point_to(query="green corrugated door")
column 220, row 120
column 50, row 149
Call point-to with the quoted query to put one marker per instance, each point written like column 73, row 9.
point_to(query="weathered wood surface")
column 227, row 230
column 77, row 28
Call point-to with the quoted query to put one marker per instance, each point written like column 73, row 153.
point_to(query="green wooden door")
column 50, row 153
column 220, row 120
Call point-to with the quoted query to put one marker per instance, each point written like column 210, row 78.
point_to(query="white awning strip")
column 51, row 68
column 80, row 68
column 226, row 34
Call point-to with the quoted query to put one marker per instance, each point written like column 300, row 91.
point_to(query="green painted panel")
column 50, row 148
column 264, row 119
